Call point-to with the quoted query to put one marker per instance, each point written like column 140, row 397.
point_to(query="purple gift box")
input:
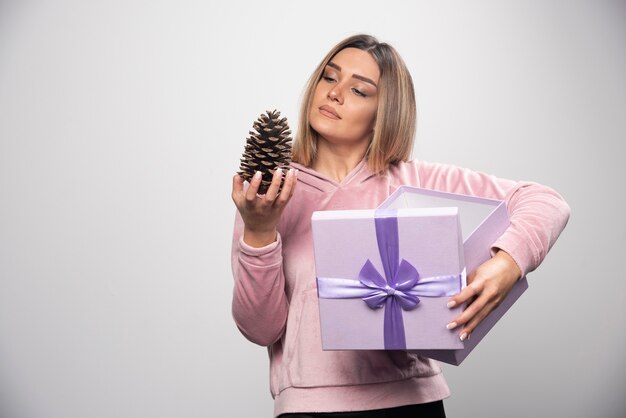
column 385, row 275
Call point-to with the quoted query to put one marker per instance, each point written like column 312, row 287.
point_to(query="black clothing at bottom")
column 424, row 410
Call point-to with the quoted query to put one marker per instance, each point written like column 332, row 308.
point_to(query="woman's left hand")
column 487, row 286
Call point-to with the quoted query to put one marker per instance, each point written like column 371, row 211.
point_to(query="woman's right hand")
column 261, row 213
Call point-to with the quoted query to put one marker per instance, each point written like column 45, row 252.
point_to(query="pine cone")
column 266, row 149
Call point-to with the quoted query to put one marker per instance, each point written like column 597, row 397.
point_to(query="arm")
column 538, row 215
column 259, row 303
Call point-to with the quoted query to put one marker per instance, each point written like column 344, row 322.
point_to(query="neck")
column 337, row 161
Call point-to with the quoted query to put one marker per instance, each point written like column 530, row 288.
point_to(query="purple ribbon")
column 398, row 289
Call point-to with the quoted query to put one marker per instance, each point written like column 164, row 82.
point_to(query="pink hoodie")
column 275, row 294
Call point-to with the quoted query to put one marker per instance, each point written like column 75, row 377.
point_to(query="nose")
column 335, row 95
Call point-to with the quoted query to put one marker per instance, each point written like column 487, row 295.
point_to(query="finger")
column 288, row 186
column 473, row 323
column 272, row 191
column 470, row 291
column 488, row 299
column 237, row 188
column 255, row 182
column 469, row 312
column 471, row 277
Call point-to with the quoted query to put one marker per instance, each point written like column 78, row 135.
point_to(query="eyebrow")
column 357, row 76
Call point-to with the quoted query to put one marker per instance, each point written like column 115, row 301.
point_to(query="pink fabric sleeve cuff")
column 266, row 256
column 522, row 258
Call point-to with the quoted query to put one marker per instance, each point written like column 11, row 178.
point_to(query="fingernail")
column 257, row 175
column 451, row 325
column 278, row 172
column 291, row 172
column 451, row 304
column 463, row 336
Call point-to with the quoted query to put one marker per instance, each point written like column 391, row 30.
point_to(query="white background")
column 122, row 123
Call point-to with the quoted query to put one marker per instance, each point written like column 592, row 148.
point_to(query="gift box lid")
column 482, row 220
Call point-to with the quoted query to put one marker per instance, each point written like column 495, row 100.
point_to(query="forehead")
column 357, row 61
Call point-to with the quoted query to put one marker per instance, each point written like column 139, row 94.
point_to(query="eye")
column 359, row 92
column 328, row 79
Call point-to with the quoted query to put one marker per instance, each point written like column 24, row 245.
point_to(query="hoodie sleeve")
column 259, row 305
column 538, row 214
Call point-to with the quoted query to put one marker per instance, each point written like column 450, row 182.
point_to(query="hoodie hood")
column 319, row 181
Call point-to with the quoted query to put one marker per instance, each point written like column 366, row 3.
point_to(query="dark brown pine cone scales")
column 267, row 147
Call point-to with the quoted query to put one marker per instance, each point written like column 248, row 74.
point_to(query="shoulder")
column 416, row 172
column 405, row 173
column 448, row 178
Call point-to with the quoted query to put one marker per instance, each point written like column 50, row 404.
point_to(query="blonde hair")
column 394, row 130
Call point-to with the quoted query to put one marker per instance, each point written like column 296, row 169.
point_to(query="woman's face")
column 345, row 99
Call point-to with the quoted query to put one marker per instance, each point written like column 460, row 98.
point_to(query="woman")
column 355, row 137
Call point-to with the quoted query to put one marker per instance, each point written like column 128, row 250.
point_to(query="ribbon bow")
column 400, row 287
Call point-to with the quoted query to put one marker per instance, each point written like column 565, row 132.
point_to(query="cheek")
column 368, row 116
column 318, row 93
column 315, row 102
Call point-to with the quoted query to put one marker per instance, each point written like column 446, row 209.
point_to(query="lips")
column 329, row 112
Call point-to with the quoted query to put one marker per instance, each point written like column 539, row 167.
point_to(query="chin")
column 321, row 127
